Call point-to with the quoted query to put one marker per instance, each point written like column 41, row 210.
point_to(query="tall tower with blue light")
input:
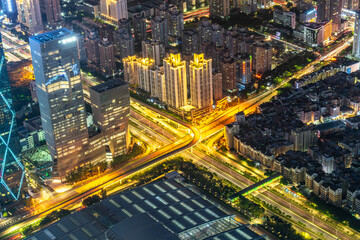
column 12, row 170
column 59, row 89
column 5, row 115
column 9, row 8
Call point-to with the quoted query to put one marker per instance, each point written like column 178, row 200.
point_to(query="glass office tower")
column 12, row 170
column 57, row 75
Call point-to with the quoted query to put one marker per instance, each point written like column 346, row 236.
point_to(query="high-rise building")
column 124, row 23
column 190, row 42
column 175, row 81
column 53, row 11
column 335, row 14
column 217, row 34
column 106, row 31
column 10, row 9
column 5, row 114
column 29, row 15
column 217, row 86
column 92, row 51
column 113, row 10
column 287, row 19
column 130, row 70
column 110, row 104
column 201, row 85
column 144, row 66
column 159, row 29
column 219, row 53
column 351, row 4
column 330, row 10
column 323, row 10
column 175, row 25
column 153, row 50
column 12, row 170
column 139, row 25
column 208, row 48
column 59, row 90
column 161, row 10
column 107, row 57
column 219, row 8
column 262, row 52
column 228, row 71
column 124, row 43
column 356, row 42
column 244, row 69
column 157, row 84
column 204, row 30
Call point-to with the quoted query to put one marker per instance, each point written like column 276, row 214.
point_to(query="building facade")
column 153, row 50
column 244, row 69
column 110, row 104
column 107, row 57
column 201, row 85
column 53, row 11
column 113, row 10
column 59, row 90
column 159, row 29
column 12, row 173
column 29, row 15
column 175, row 81
column 356, row 42
column 219, row 8
column 287, row 19
column 262, row 52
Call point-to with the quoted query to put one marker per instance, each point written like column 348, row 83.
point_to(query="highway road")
column 91, row 186
column 297, row 214
column 208, row 127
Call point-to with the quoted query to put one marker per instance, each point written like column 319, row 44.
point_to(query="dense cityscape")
column 180, row 119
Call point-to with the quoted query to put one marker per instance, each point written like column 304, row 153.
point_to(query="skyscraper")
column 59, row 89
column 144, row 66
column 243, row 69
column 157, row 84
column 323, row 10
column 219, row 8
column 107, row 57
column 110, row 104
column 262, row 53
column 139, row 25
column 228, row 71
column 124, row 43
column 124, row 23
column 190, row 42
column 92, row 50
column 53, row 11
column 175, row 25
column 29, row 15
column 330, row 10
column 175, row 81
column 113, row 10
column 201, row 85
column 356, row 43
column 154, row 50
column 5, row 114
column 159, row 29
column 130, row 70
column 10, row 9
column 12, row 170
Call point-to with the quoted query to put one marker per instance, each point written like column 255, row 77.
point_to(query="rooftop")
column 114, row 83
column 167, row 207
column 50, row 36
